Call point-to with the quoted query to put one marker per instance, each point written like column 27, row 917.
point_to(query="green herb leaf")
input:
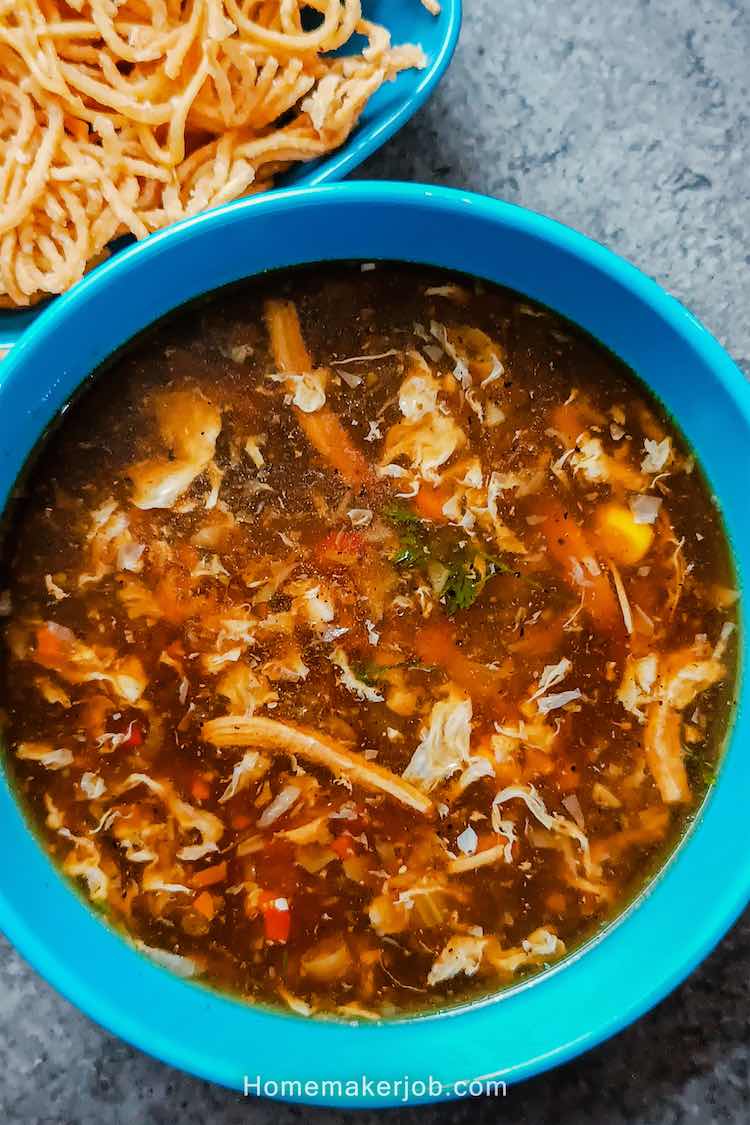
column 412, row 552
column 400, row 514
column 371, row 673
column 708, row 773
column 700, row 768
column 467, row 573
column 367, row 673
column 497, row 565
column 467, row 577
column 462, row 588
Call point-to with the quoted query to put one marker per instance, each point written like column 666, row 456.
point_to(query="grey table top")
column 629, row 120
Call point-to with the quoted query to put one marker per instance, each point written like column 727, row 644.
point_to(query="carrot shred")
column 200, row 789
column 49, row 648
column 135, row 738
column 340, row 548
column 556, row 902
column 277, row 924
column 322, row 428
column 429, row 502
column 541, row 638
column 342, row 845
column 209, row 876
column 205, row 905
column 570, row 419
column 240, row 820
column 326, row 433
column 435, row 644
column 287, row 343
column 567, row 543
column 536, row 762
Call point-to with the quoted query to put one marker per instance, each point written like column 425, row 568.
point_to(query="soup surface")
column 369, row 640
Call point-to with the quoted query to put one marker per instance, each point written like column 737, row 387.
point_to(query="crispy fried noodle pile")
column 123, row 117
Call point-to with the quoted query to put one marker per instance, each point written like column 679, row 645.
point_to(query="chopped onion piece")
column 467, row 841
column 552, row 702
column 180, row 966
column 92, row 786
column 721, row 645
column 622, row 597
column 281, row 804
column 657, row 455
column 552, row 675
column 645, row 509
column 462, row 954
column 352, row 381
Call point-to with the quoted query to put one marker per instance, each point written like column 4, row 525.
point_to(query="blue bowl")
column 699, row 892
column 386, row 112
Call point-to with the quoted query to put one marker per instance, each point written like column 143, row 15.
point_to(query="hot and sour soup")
column 369, row 638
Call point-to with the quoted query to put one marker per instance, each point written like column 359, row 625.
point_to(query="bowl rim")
column 591, row 997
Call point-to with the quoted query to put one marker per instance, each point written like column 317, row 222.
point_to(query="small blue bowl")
column 386, row 112
column 699, row 892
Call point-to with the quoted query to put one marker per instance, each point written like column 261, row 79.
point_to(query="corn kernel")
column 623, row 539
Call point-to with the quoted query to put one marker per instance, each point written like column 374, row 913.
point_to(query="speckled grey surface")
column 630, row 120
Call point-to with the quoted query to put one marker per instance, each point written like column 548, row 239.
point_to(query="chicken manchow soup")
column 369, row 640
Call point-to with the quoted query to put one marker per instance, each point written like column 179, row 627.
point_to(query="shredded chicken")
column 485, row 858
column 189, row 426
column 252, row 766
column 78, row 663
column 462, row 954
column 666, row 685
column 209, row 827
column 285, row 738
column 426, row 444
column 44, row 754
column 84, row 861
column 466, row 954
column 553, row 822
column 244, row 690
column 444, row 743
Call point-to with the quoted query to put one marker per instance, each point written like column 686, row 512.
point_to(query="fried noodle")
column 119, row 118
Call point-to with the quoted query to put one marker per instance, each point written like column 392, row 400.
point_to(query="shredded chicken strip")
column 683, row 675
column 187, row 816
column 286, row 738
column 480, row 859
column 189, row 426
column 322, row 427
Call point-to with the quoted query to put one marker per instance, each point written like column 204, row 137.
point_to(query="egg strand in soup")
column 370, row 640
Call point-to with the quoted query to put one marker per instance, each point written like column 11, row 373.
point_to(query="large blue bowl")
column 703, row 887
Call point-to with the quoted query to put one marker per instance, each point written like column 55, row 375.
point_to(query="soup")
column 369, row 640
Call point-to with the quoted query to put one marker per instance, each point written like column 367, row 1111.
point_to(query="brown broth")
column 272, row 588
